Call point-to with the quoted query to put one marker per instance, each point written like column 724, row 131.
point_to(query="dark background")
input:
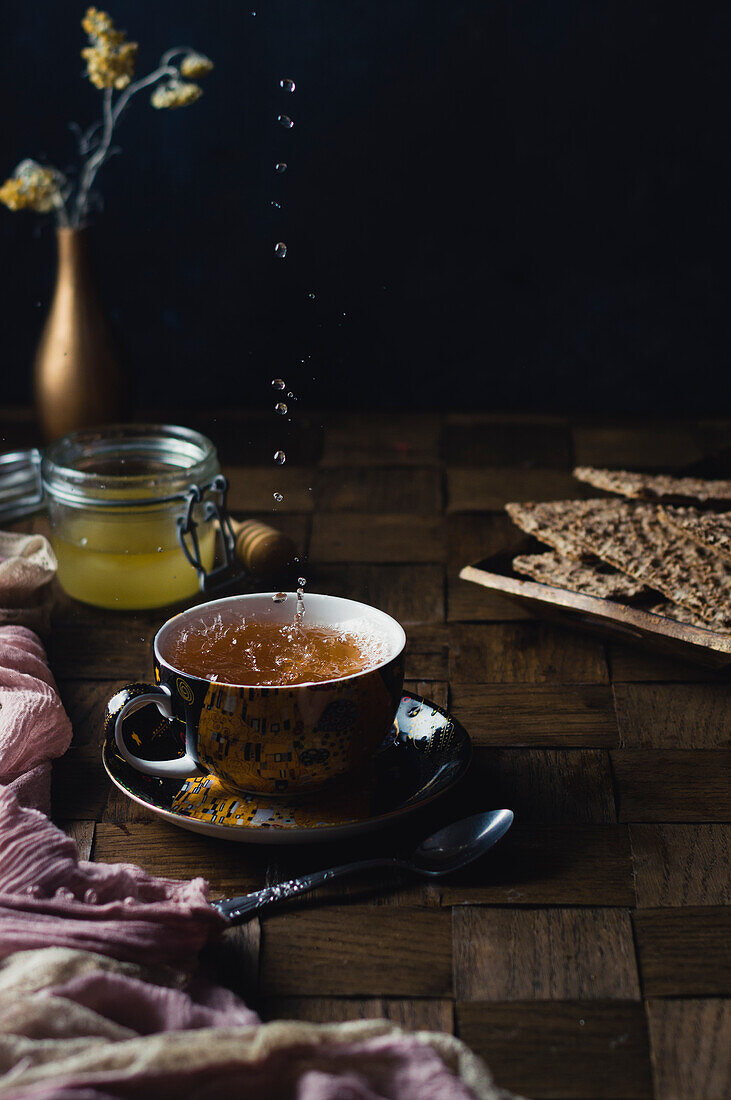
column 495, row 203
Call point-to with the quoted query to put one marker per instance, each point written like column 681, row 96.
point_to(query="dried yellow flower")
column 178, row 93
column 32, row 187
column 11, row 195
column 196, row 65
column 110, row 67
column 96, row 23
column 110, row 59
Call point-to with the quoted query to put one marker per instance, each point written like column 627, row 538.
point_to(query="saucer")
column 430, row 751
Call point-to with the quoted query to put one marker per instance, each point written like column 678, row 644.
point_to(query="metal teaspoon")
column 447, row 850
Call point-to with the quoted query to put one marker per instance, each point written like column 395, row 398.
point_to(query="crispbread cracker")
column 710, row 529
column 635, row 541
column 591, row 578
column 657, row 487
column 670, row 610
column 550, row 522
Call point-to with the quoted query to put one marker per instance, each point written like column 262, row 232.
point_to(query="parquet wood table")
column 587, row 956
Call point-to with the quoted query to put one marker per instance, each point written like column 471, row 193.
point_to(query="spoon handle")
column 237, row 910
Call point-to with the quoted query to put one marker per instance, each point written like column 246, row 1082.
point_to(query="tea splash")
column 259, row 654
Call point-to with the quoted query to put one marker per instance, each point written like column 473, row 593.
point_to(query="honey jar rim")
column 179, row 458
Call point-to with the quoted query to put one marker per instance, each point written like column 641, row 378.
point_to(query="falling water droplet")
column 300, row 608
column 280, row 166
column 278, row 383
column 301, row 581
column 279, row 597
column 286, row 84
column 281, row 408
column 280, row 249
column 278, row 497
column 286, row 121
column 280, row 457
column 276, row 205
column 83, row 541
column 311, row 294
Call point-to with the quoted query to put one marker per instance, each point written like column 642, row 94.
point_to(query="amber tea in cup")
column 267, row 703
column 250, row 651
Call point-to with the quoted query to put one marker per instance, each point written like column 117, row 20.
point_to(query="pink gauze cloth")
column 48, row 895
column 85, row 1013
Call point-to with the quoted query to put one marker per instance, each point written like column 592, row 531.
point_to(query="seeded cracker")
column 658, row 487
column 671, row 610
column 635, row 541
column 550, row 522
column 591, row 578
column 709, row 529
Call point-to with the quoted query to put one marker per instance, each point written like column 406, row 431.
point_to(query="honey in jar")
column 115, row 497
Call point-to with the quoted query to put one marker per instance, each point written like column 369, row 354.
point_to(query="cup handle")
column 137, row 697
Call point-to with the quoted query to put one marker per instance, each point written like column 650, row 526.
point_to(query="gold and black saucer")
column 429, row 752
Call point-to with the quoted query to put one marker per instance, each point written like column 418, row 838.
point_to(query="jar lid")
column 21, row 492
column 127, row 464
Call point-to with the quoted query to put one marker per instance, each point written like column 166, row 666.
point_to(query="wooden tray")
column 620, row 621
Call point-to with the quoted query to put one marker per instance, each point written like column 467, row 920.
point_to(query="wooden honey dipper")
column 262, row 550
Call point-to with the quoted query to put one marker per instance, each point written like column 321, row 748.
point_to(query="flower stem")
column 132, row 89
column 111, row 114
column 62, row 213
column 96, row 160
column 170, row 54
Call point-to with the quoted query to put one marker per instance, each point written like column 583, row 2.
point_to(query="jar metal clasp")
column 211, row 499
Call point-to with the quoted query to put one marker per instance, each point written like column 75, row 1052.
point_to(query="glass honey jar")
column 137, row 514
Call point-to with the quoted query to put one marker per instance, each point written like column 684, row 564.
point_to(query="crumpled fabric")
column 34, row 727
column 64, row 1034
column 48, row 895
column 27, row 568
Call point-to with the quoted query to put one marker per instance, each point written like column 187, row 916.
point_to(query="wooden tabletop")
column 588, row 955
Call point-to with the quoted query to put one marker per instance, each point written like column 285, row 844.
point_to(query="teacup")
column 271, row 739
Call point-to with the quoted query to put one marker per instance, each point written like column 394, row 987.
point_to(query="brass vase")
column 77, row 375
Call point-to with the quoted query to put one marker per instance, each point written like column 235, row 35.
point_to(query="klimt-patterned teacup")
column 270, row 739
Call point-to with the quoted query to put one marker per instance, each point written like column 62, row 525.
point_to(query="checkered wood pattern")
column 588, row 955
